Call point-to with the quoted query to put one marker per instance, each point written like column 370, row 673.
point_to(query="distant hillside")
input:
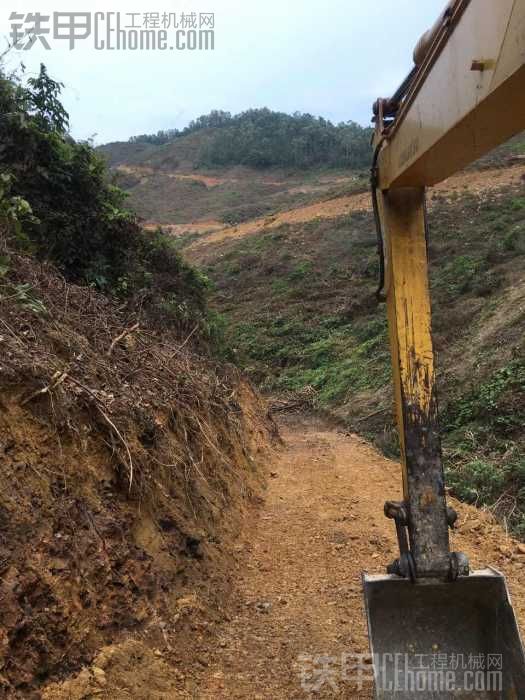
column 171, row 178
column 172, row 183
column 258, row 138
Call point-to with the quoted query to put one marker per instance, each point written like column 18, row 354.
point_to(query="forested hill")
column 261, row 138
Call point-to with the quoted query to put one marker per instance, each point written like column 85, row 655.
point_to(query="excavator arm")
column 464, row 96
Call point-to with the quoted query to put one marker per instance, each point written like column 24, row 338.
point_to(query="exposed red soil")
column 475, row 181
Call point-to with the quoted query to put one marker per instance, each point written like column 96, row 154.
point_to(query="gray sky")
column 331, row 58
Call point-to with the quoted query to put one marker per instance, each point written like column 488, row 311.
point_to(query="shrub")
column 514, row 240
column 459, row 275
column 56, row 195
column 478, row 482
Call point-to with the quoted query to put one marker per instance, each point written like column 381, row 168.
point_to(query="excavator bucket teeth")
column 444, row 640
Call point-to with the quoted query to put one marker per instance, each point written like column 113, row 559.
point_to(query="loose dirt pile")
column 127, row 464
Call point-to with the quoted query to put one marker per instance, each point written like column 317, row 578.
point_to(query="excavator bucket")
column 444, row 640
column 431, row 639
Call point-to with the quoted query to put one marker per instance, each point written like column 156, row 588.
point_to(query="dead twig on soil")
column 188, row 337
column 120, row 337
column 11, row 331
column 111, row 424
column 303, row 399
column 284, row 406
column 372, row 415
column 56, row 379
column 119, row 435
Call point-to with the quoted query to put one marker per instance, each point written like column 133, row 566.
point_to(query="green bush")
column 459, row 274
column 514, row 240
column 485, row 483
column 518, row 203
column 56, row 197
column 302, row 270
column 485, row 404
column 478, row 481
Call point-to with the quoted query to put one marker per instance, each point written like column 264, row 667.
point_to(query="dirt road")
column 297, row 585
column 300, row 588
column 475, row 182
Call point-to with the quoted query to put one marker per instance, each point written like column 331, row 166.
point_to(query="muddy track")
column 299, row 586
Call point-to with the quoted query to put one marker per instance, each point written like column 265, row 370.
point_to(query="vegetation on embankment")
column 128, row 454
column 58, row 203
column 299, row 301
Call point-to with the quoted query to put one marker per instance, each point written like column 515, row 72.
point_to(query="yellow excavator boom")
column 464, row 96
column 467, row 97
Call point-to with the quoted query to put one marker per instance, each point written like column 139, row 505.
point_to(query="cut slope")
column 127, row 464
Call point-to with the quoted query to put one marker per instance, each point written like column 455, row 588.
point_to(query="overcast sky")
column 331, row 58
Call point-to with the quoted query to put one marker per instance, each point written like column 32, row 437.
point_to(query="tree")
column 45, row 104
